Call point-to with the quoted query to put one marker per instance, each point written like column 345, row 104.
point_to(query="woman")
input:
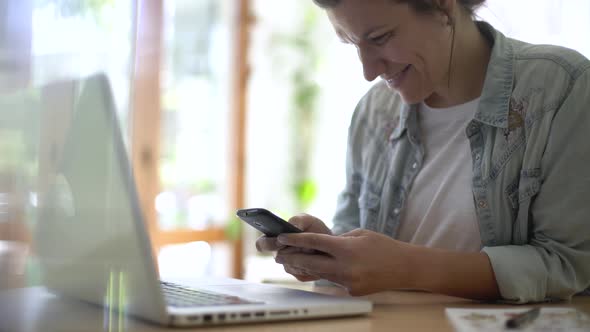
column 467, row 165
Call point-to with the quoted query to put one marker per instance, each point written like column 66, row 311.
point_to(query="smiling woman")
column 458, row 161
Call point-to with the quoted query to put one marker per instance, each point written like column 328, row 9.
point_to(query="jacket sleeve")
column 555, row 264
column 347, row 215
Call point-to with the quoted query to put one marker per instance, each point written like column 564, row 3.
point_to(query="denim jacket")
column 531, row 167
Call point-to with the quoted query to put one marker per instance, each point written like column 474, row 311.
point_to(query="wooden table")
column 34, row 309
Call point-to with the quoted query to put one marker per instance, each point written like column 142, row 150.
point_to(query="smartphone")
column 266, row 222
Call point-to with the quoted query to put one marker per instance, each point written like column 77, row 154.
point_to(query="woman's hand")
column 304, row 222
column 362, row 261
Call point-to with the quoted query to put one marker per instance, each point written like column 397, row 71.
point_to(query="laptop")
column 93, row 245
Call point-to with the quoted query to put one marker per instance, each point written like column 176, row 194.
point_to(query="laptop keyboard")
column 181, row 296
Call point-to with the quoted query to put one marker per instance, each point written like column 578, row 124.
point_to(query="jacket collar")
column 407, row 117
column 497, row 89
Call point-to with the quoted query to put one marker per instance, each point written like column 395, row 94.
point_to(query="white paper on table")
column 549, row 319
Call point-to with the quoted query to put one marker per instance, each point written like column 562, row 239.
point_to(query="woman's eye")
column 381, row 39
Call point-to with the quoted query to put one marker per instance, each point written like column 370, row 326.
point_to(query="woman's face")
column 410, row 51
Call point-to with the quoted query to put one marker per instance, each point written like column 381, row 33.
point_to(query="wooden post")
column 145, row 118
column 238, row 127
column 146, row 122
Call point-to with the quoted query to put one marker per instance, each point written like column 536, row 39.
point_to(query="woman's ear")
column 446, row 5
column 447, row 10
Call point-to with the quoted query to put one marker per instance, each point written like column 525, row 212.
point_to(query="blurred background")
column 223, row 103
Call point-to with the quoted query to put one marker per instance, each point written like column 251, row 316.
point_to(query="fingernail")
column 282, row 239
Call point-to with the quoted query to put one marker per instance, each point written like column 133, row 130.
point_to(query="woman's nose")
column 373, row 67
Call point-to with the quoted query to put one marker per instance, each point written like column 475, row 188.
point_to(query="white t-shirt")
column 439, row 211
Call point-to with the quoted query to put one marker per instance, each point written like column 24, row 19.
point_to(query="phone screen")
column 266, row 222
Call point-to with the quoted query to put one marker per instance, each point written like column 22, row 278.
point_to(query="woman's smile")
column 395, row 81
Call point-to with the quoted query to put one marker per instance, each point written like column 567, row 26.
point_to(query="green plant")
column 304, row 102
column 233, row 229
column 76, row 7
column 93, row 9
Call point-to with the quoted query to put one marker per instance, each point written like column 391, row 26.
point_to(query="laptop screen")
column 91, row 238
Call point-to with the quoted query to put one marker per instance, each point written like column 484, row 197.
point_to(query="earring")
column 450, row 21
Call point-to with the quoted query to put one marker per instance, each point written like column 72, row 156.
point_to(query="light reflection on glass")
column 115, row 302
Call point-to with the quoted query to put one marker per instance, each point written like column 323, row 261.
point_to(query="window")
column 194, row 144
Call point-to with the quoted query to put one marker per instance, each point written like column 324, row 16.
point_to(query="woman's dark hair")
column 420, row 6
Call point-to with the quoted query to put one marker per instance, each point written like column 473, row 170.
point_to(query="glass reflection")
column 19, row 139
column 115, row 302
column 42, row 213
column 91, row 237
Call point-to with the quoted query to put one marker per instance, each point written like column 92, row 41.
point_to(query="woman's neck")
column 471, row 56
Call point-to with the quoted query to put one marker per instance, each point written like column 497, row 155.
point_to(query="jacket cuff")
column 520, row 273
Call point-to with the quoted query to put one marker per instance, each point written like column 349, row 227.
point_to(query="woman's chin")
column 409, row 97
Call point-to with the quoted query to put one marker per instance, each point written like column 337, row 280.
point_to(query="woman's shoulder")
column 378, row 103
column 549, row 58
column 547, row 71
column 375, row 116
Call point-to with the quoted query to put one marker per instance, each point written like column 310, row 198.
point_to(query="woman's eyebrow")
column 344, row 38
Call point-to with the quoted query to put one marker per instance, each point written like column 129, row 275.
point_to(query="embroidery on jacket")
column 516, row 116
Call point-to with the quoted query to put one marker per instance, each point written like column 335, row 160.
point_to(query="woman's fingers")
column 266, row 244
column 299, row 274
column 304, row 222
column 286, row 250
column 316, row 264
column 308, row 223
column 329, row 244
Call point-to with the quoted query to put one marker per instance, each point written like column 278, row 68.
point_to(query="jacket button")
column 482, row 204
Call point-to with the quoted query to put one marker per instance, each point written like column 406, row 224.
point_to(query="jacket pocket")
column 369, row 202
